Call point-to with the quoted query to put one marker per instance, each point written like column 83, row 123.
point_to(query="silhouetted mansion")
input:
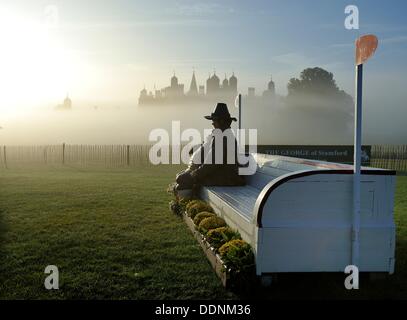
column 215, row 91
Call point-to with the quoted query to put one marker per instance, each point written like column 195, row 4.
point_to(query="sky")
column 103, row 51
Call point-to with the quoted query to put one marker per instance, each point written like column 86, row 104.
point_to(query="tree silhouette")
column 318, row 86
column 313, row 80
column 316, row 107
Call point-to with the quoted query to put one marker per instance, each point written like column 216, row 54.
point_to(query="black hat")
column 220, row 112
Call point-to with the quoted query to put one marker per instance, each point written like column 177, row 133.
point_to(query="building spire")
column 193, row 89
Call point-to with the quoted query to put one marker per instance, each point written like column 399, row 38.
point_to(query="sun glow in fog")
column 34, row 63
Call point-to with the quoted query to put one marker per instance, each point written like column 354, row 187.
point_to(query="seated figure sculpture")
column 214, row 162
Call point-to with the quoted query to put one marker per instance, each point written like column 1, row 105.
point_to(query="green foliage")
column 219, row 236
column 198, row 207
column 313, row 80
column 179, row 206
column 183, row 202
column 317, row 88
column 237, row 256
column 202, row 215
column 211, row 223
column 175, row 207
column 192, row 202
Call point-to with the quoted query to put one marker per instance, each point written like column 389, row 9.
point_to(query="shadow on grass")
column 322, row 286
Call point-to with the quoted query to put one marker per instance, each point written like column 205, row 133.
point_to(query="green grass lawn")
column 112, row 236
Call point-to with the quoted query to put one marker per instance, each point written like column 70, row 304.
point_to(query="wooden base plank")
column 214, row 258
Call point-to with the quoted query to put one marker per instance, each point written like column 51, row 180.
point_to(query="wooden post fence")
column 5, row 156
column 63, row 153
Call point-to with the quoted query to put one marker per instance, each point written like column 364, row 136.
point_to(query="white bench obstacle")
column 297, row 215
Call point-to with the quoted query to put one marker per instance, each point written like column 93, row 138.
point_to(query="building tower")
column 225, row 85
column 67, row 102
column 212, row 85
column 208, row 84
column 174, row 81
column 193, row 89
column 271, row 87
column 143, row 96
column 233, row 84
column 176, row 90
column 201, row 90
column 270, row 92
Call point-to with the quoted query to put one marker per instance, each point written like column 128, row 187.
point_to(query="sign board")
column 340, row 153
column 365, row 48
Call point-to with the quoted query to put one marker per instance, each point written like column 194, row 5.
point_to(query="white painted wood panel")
column 305, row 223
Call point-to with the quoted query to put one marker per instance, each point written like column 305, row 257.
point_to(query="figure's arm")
column 209, row 167
column 206, row 167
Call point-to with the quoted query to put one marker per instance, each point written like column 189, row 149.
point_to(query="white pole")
column 240, row 111
column 356, row 168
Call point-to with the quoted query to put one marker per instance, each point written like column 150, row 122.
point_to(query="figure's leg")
column 184, row 180
column 179, row 174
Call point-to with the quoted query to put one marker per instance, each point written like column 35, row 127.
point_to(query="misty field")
column 112, row 236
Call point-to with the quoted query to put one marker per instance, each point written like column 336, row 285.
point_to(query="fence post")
column 63, row 153
column 128, row 155
column 5, row 156
column 45, row 154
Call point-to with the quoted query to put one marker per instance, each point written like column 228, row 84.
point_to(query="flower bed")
column 214, row 258
column 231, row 257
